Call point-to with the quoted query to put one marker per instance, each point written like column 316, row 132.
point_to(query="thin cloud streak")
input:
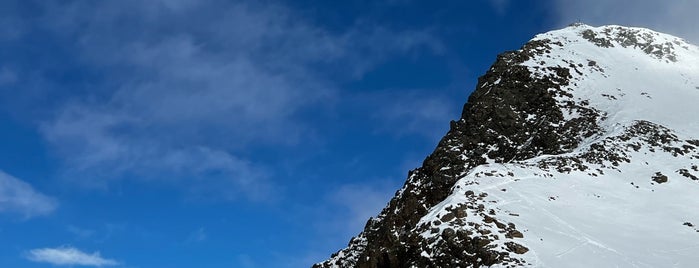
column 68, row 256
column 19, row 197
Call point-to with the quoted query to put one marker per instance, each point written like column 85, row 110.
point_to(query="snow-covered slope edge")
column 580, row 149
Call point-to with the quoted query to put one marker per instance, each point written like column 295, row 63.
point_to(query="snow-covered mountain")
column 581, row 149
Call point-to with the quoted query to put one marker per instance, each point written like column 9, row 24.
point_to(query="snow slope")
column 625, row 197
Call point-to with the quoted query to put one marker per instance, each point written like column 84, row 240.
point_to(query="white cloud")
column 20, row 197
column 68, row 256
column 192, row 85
column 677, row 17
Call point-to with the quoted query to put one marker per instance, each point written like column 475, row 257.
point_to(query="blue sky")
column 183, row 133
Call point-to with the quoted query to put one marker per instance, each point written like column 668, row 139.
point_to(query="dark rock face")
column 628, row 37
column 517, row 248
column 613, row 151
column 512, row 115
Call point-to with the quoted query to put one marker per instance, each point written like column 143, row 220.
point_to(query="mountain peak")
column 582, row 143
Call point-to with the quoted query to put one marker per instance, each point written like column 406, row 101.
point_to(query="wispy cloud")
column 421, row 112
column 341, row 214
column 197, row 236
column 359, row 202
column 68, row 256
column 192, row 86
column 19, row 197
column 7, row 76
column 81, row 233
column 676, row 17
column 500, row 6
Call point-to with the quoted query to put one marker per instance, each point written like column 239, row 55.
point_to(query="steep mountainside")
column 581, row 149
